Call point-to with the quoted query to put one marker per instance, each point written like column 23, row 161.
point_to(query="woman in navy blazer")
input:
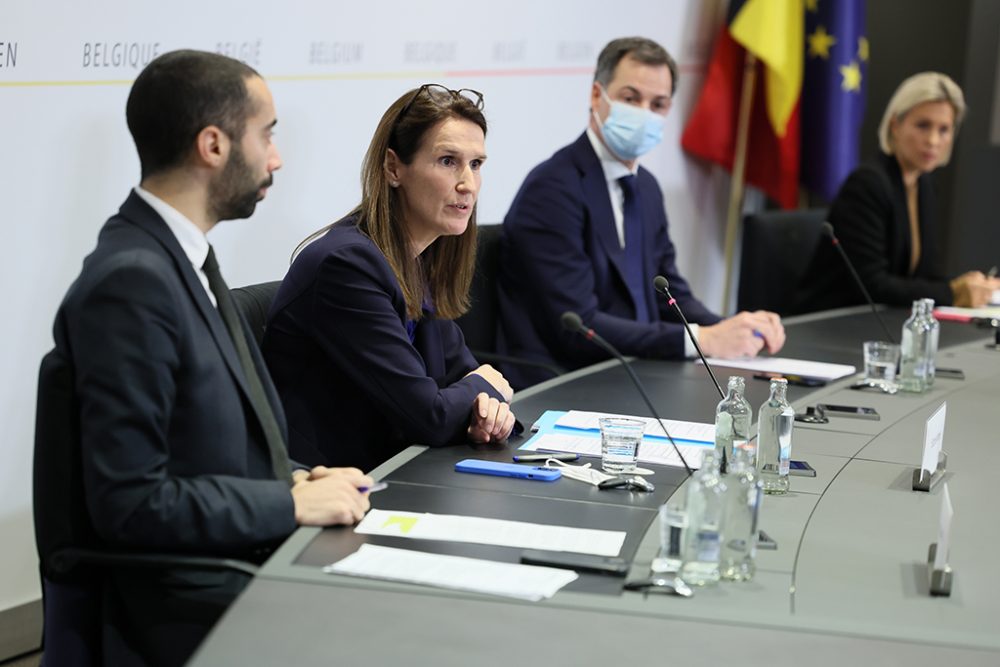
column 361, row 339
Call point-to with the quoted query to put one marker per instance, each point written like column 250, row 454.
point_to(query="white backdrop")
column 67, row 161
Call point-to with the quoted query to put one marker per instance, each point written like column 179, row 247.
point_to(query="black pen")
column 543, row 456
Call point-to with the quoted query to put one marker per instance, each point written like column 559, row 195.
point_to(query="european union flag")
column 833, row 92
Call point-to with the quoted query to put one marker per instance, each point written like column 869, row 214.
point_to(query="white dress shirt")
column 613, row 170
column 193, row 241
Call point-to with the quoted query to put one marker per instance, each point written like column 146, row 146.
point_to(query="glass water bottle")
column 732, row 422
column 913, row 351
column 774, row 439
column 932, row 340
column 741, row 506
column 703, row 535
column 673, row 524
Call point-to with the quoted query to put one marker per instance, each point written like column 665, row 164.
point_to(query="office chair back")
column 71, row 595
column 479, row 325
column 254, row 301
column 72, row 557
column 777, row 249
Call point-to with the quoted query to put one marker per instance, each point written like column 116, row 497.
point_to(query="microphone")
column 662, row 286
column 573, row 323
column 828, row 230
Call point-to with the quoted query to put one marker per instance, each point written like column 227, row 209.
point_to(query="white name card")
column 944, row 530
column 933, row 439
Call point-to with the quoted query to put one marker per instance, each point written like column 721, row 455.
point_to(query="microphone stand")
column 828, row 230
column 663, row 287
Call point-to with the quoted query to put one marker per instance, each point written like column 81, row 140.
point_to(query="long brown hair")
column 446, row 267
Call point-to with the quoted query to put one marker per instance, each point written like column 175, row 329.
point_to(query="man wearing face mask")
column 587, row 232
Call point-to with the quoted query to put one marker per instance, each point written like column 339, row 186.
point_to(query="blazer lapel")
column 900, row 263
column 595, row 193
column 143, row 216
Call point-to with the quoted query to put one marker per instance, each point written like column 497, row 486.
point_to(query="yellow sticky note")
column 405, row 523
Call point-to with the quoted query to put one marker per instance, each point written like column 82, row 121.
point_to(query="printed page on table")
column 658, row 452
column 496, row 532
column 785, row 366
column 679, row 430
column 525, row 582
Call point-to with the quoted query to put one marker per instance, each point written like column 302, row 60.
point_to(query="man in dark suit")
column 181, row 431
column 587, row 232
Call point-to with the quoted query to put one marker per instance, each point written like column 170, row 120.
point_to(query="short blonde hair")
column 920, row 88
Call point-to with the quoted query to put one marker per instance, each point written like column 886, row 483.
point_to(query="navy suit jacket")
column 356, row 390
column 872, row 221
column 173, row 455
column 560, row 252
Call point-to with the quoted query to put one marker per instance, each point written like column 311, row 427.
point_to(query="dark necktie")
column 635, row 278
column 258, row 399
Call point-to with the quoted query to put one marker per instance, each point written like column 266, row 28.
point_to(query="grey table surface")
column 847, row 584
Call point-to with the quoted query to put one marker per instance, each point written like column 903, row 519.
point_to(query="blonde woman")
column 885, row 215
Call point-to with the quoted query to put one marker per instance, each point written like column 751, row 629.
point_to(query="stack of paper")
column 495, row 532
column 579, row 432
column 957, row 314
column 784, row 366
column 525, row 582
column 679, row 430
column 659, row 452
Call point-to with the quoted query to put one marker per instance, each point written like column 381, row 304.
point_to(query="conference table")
column 847, row 584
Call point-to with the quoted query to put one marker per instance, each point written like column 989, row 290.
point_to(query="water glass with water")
column 881, row 359
column 620, row 440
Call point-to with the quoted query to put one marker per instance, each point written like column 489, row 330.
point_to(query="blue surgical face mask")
column 630, row 131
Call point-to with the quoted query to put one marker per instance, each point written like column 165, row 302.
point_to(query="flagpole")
column 736, row 188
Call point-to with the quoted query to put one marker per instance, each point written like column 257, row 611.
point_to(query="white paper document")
column 659, row 452
column 497, row 532
column 784, row 366
column 944, row 530
column 680, row 430
column 525, row 582
column 933, row 439
column 957, row 312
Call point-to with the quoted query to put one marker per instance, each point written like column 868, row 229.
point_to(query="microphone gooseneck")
column 574, row 323
column 663, row 287
column 828, row 231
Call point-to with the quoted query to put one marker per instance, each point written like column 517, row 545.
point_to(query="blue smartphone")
column 499, row 469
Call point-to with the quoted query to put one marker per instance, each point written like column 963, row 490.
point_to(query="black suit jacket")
column 871, row 220
column 560, row 251
column 173, row 455
column 356, row 390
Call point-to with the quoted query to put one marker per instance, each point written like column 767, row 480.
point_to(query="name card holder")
column 939, row 573
column 939, row 580
column 995, row 345
column 933, row 460
column 924, row 481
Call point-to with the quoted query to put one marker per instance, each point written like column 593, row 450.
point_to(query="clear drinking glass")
column 620, row 440
column 881, row 360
